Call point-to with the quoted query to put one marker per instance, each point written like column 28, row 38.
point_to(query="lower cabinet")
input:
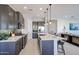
column 5, row 48
column 24, row 41
column 34, row 35
column 12, row 48
column 18, row 46
column 47, row 47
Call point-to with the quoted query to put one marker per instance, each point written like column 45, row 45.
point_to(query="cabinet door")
column 11, row 20
column 24, row 39
column 8, row 17
column 17, row 47
column 16, row 20
column 20, row 20
column 3, row 17
column 48, row 47
column 4, row 48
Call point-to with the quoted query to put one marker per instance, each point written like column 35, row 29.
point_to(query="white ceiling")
column 58, row 10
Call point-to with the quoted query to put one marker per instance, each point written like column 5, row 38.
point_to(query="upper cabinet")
column 9, row 19
column 20, row 20
column 3, row 17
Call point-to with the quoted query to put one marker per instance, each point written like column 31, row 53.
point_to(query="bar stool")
column 61, row 43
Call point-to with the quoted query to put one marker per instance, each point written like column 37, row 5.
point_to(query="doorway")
column 37, row 27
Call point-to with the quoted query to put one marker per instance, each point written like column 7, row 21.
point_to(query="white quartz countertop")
column 51, row 37
column 12, row 39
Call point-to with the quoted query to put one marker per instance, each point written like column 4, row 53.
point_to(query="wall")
column 28, row 25
column 25, row 30
column 60, row 25
column 65, row 22
column 29, row 28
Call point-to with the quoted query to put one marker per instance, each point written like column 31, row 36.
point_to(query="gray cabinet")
column 20, row 20
column 13, row 47
column 24, row 41
column 16, row 20
column 3, row 17
column 7, row 48
column 10, row 48
column 18, row 46
column 6, row 17
column 46, row 47
column 9, row 19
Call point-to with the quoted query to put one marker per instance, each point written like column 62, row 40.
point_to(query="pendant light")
column 46, row 22
column 50, row 14
column 45, row 18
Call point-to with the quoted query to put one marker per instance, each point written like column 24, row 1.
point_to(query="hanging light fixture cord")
column 44, row 15
column 50, row 11
column 47, row 15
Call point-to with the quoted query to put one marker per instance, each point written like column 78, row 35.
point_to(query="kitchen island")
column 13, row 45
column 48, row 44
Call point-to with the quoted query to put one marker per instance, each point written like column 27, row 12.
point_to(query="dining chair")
column 61, row 43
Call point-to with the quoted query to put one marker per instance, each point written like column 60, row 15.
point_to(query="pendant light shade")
column 50, row 22
column 47, row 17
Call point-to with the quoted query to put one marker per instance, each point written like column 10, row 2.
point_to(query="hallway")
column 31, row 48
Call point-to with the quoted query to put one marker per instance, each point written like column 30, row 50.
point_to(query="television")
column 74, row 26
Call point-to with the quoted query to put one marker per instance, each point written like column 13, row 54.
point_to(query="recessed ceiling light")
column 25, row 7
column 41, row 8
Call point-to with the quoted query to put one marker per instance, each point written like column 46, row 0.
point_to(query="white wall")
column 65, row 22
column 25, row 25
column 29, row 28
column 28, row 25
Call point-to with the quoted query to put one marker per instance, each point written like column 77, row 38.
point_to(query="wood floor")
column 31, row 48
